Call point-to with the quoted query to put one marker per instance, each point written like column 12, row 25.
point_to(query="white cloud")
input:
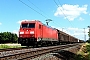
column 70, row 11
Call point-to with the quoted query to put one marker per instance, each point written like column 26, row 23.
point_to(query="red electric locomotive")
column 34, row 32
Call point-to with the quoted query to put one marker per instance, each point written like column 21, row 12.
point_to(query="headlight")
column 31, row 32
column 21, row 32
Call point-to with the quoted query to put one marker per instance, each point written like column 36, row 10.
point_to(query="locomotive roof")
column 29, row 21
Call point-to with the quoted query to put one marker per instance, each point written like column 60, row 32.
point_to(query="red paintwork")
column 40, row 31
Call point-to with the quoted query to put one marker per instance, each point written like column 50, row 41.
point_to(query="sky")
column 70, row 16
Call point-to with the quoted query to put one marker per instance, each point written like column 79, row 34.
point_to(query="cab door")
column 41, row 31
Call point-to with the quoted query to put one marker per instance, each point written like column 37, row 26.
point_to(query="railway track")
column 30, row 53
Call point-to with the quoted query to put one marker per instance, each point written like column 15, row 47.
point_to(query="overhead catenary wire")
column 35, row 10
column 37, row 7
column 40, row 10
column 62, row 10
column 32, row 9
column 70, row 22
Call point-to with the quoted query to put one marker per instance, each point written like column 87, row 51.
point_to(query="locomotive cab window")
column 31, row 25
column 24, row 25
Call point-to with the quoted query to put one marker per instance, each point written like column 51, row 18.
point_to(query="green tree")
column 1, row 39
column 14, row 38
column 8, row 37
column 88, row 41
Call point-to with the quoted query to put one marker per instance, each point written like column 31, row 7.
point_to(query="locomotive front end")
column 27, row 34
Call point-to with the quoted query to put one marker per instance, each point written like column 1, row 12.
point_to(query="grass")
column 84, row 52
column 4, row 46
column 88, row 51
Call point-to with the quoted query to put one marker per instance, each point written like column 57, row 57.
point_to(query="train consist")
column 32, row 33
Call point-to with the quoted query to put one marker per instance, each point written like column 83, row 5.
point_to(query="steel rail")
column 30, row 53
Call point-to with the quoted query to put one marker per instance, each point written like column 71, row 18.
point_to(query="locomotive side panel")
column 49, row 34
column 44, row 29
column 39, row 31
column 54, row 35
